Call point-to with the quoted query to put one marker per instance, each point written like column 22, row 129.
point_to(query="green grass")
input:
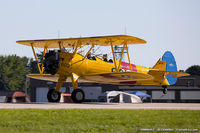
column 94, row 120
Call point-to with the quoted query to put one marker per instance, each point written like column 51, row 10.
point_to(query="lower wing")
column 110, row 78
column 53, row 78
column 117, row 77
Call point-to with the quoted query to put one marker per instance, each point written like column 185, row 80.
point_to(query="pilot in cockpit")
column 105, row 57
column 91, row 57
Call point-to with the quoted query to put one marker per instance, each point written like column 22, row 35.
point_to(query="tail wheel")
column 53, row 95
column 78, row 96
column 164, row 89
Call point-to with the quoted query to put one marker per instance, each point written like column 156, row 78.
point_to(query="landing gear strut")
column 164, row 89
column 53, row 95
column 78, row 96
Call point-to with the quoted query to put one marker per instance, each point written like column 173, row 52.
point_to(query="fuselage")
column 82, row 67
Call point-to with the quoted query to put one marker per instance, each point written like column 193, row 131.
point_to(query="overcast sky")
column 165, row 24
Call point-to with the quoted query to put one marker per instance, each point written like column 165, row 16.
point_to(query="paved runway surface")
column 182, row 106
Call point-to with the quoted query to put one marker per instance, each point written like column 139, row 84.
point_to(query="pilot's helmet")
column 105, row 56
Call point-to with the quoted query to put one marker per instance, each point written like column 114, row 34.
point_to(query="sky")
column 166, row 25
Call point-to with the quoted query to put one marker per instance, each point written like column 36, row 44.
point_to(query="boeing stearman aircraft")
column 61, row 65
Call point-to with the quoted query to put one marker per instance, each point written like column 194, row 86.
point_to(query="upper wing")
column 118, row 77
column 70, row 42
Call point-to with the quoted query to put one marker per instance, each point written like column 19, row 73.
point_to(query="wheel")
column 78, row 96
column 164, row 91
column 53, row 95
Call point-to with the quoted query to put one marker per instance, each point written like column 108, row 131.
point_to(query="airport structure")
column 186, row 90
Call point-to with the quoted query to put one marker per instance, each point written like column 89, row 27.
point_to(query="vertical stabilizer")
column 160, row 65
column 170, row 66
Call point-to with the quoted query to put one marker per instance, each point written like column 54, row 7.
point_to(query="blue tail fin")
column 171, row 66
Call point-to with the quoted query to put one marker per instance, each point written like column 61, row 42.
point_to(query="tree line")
column 13, row 71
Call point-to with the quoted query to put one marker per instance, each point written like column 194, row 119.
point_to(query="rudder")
column 170, row 66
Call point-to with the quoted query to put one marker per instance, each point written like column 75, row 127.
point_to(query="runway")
column 171, row 106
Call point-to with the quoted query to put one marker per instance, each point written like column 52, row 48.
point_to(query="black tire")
column 78, row 96
column 53, row 96
column 165, row 91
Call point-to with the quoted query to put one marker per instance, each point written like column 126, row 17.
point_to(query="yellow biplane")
column 66, row 65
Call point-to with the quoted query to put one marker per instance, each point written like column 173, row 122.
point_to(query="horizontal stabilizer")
column 176, row 74
column 168, row 73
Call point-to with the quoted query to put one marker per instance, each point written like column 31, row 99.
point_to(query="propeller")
column 60, row 63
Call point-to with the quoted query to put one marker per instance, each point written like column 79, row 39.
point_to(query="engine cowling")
column 51, row 62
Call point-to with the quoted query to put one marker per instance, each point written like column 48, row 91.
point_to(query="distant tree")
column 13, row 70
column 194, row 70
column 39, row 56
column 33, row 64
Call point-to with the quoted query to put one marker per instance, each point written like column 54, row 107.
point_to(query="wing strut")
column 40, row 69
column 46, row 49
column 88, row 51
column 113, row 56
column 128, row 56
column 76, row 48
column 36, row 59
column 85, row 55
column 121, row 56
column 43, row 59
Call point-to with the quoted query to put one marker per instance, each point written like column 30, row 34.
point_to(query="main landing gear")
column 53, row 96
column 164, row 89
column 77, row 96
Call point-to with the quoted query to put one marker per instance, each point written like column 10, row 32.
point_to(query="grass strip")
column 95, row 120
